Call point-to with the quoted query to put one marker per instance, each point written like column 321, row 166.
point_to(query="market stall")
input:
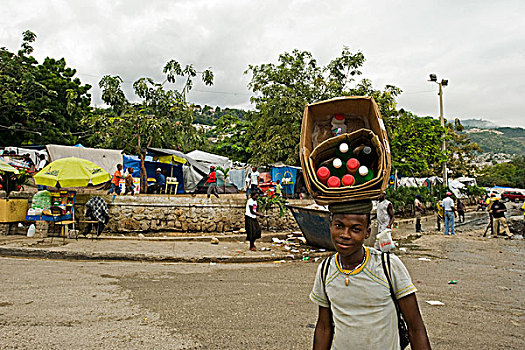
column 59, row 208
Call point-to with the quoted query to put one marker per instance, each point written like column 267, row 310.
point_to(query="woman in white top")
column 253, row 231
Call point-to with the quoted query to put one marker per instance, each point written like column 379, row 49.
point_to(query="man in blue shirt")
column 160, row 182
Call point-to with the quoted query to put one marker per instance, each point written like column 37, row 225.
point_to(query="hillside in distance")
column 208, row 115
column 478, row 123
column 499, row 139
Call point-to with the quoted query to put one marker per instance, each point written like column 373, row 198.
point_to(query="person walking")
column 254, row 180
column 489, row 202
column 440, row 215
column 129, row 182
column 498, row 209
column 385, row 213
column 212, row 183
column 419, row 207
column 450, row 213
column 115, row 181
column 253, row 230
column 461, row 210
column 359, row 299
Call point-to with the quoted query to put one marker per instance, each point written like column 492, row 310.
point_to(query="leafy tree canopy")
column 162, row 119
column 461, row 152
column 415, row 144
column 282, row 91
column 39, row 103
column 511, row 174
column 231, row 138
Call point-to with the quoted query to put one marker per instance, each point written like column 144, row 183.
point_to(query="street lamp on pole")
column 443, row 83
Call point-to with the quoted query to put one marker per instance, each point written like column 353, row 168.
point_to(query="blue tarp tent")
column 172, row 170
column 289, row 174
column 237, row 177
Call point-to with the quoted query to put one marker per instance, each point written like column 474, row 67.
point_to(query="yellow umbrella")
column 71, row 172
column 5, row 167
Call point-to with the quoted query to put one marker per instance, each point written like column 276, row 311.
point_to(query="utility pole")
column 444, row 82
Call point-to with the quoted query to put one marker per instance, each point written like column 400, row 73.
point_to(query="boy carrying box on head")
column 356, row 287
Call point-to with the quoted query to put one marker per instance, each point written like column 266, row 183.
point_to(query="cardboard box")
column 13, row 210
column 363, row 120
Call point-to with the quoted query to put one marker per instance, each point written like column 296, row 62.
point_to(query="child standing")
column 278, row 189
column 356, row 308
column 117, row 176
column 253, row 230
column 129, row 182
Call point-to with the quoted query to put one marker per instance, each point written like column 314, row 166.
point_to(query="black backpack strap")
column 325, row 265
column 404, row 339
column 389, row 279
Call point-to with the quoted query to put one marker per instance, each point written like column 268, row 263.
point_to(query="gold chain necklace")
column 347, row 280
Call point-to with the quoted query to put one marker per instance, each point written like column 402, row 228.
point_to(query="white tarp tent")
column 454, row 186
column 209, row 159
column 107, row 159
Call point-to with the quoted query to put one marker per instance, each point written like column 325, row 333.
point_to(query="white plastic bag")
column 385, row 241
column 31, row 230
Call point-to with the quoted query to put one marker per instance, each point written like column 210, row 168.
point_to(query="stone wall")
column 182, row 214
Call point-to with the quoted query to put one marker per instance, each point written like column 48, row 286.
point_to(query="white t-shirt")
column 383, row 218
column 251, row 202
column 41, row 164
column 448, row 204
column 363, row 312
column 254, row 178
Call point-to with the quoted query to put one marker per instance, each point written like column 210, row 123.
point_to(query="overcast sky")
column 478, row 45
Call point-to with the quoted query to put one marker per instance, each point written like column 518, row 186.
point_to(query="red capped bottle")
column 348, row 180
column 323, row 173
column 352, row 165
column 334, row 182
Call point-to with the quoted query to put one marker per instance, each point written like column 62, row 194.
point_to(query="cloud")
column 477, row 45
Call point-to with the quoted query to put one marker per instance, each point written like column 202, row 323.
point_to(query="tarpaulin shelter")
column 238, row 177
column 171, row 170
column 193, row 171
column 467, row 181
column 287, row 174
column 209, row 159
column 33, row 153
column 107, row 159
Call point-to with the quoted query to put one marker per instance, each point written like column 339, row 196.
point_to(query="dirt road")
column 71, row 305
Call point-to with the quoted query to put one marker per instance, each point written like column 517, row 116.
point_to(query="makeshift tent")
column 172, row 170
column 238, row 177
column 209, row 159
column 33, row 153
column 193, row 170
column 287, row 175
column 107, row 159
column 467, row 181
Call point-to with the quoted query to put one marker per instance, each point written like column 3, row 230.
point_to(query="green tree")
column 39, row 103
column 162, row 119
column 231, row 134
column 415, row 144
column 511, row 174
column 461, row 152
column 283, row 90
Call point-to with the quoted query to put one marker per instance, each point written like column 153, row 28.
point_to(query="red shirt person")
column 212, row 183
